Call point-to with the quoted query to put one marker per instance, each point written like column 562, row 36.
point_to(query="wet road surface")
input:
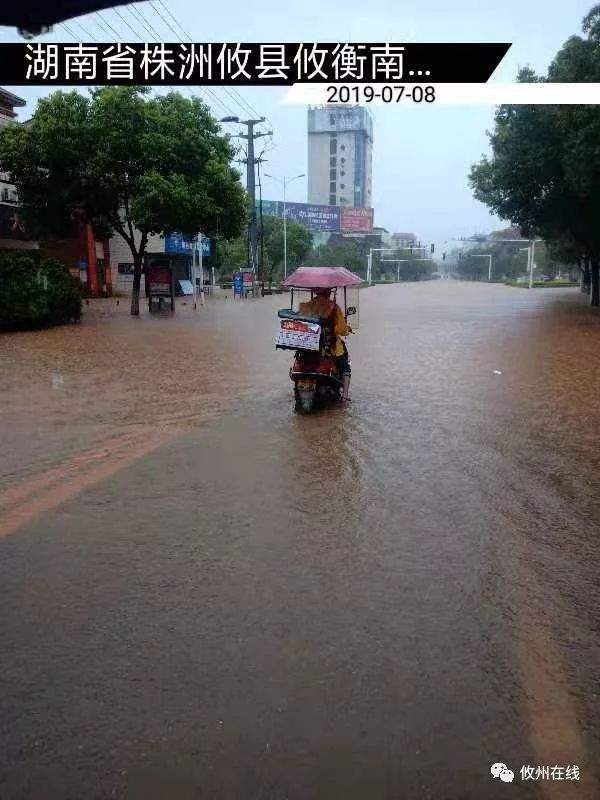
column 206, row 596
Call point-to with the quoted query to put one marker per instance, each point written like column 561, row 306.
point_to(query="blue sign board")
column 238, row 283
column 178, row 244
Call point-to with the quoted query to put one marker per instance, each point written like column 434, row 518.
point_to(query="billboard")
column 315, row 218
column 357, row 219
column 323, row 218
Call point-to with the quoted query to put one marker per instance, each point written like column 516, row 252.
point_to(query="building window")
column 343, row 147
column 342, row 173
column 331, row 199
column 332, row 119
column 343, row 201
column 333, row 145
column 332, row 161
column 342, row 186
column 332, row 175
column 332, row 187
column 342, row 160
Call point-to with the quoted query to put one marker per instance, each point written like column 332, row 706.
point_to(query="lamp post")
column 285, row 180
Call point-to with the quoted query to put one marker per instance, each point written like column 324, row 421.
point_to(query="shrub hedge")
column 36, row 293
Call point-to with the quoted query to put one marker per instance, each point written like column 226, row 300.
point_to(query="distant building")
column 340, row 156
column 8, row 103
column 12, row 235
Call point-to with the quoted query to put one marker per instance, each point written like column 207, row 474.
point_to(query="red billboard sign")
column 357, row 219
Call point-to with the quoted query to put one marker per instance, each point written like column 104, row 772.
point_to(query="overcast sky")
column 422, row 154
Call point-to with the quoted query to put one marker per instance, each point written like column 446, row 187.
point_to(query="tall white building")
column 340, row 156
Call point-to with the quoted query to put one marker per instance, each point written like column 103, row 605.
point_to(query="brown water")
column 205, row 595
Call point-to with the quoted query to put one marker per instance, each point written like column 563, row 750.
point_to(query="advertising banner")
column 159, row 281
column 315, row 218
column 322, row 218
column 298, row 335
column 357, row 219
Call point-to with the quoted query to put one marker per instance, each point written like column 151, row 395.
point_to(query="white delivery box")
column 298, row 334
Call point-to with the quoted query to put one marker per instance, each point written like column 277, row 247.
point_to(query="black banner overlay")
column 249, row 64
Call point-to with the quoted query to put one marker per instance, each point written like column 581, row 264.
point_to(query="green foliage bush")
column 36, row 293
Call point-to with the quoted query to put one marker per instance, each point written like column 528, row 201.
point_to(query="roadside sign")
column 159, row 281
column 238, row 283
column 296, row 334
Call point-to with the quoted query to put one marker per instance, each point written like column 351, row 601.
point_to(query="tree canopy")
column 124, row 161
column 544, row 171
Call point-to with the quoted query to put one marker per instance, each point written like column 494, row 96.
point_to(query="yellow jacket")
column 321, row 306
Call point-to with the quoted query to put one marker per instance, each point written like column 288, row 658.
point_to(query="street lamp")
column 285, row 180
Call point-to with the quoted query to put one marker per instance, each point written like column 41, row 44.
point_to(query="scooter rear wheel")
column 305, row 402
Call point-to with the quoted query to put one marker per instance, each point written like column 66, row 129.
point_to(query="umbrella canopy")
column 321, row 278
column 34, row 15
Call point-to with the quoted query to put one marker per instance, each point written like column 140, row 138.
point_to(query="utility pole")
column 250, row 160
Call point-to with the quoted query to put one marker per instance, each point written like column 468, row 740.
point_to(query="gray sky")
column 422, row 154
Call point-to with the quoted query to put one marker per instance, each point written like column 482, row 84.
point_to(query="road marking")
column 35, row 496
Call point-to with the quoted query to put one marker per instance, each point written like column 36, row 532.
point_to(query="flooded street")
column 205, row 595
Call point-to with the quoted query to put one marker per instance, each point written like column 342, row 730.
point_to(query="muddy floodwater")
column 204, row 595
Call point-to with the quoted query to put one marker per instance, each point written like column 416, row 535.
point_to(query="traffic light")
column 460, row 255
column 443, row 256
column 432, row 248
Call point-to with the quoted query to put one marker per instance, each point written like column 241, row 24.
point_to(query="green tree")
column 347, row 254
column 544, row 173
column 233, row 256
column 299, row 244
column 125, row 162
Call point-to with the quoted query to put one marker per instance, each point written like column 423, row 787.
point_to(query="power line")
column 100, row 24
column 144, row 20
column 133, row 10
column 233, row 93
column 122, row 18
column 69, row 30
column 84, row 29
column 109, row 26
column 167, row 23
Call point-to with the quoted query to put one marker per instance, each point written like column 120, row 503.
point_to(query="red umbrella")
column 321, row 278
